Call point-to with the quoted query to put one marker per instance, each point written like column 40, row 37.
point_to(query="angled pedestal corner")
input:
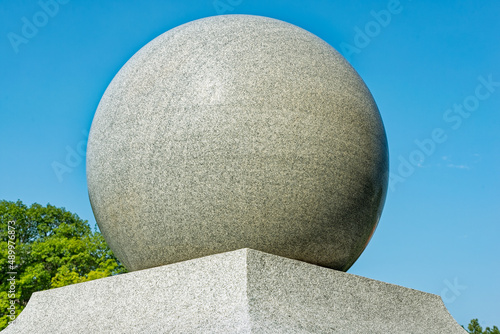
column 243, row 291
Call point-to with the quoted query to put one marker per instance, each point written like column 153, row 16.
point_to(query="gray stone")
column 243, row 291
column 237, row 132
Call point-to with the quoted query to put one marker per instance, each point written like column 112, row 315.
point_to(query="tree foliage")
column 475, row 328
column 44, row 248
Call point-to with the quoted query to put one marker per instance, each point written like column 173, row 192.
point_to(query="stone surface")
column 243, row 291
column 232, row 132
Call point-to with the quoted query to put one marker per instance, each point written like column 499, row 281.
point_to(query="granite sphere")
column 232, row 132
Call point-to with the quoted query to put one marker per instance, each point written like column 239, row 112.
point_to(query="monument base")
column 243, row 291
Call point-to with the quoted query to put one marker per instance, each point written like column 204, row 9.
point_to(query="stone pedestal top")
column 243, row 291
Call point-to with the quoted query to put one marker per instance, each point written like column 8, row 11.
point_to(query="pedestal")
column 243, row 291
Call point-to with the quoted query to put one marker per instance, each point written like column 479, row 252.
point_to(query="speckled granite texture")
column 243, row 291
column 237, row 132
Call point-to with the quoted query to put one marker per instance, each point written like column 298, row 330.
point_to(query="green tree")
column 44, row 248
column 475, row 328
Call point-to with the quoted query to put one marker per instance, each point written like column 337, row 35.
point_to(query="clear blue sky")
column 432, row 66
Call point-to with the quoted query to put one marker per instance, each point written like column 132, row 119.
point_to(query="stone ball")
column 232, row 132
